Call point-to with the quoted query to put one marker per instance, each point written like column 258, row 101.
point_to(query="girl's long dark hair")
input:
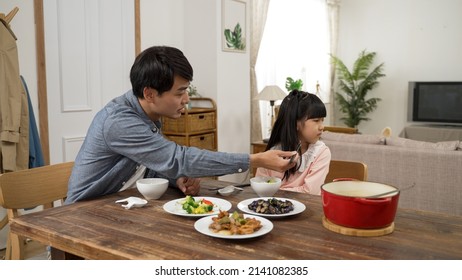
column 296, row 106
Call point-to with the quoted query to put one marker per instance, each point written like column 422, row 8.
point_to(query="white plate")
column 298, row 207
column 175, row 207
column 202, row 226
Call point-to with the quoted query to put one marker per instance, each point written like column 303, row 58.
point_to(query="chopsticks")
column 299, row 146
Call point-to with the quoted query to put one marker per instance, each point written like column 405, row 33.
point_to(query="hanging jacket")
column 35, row 148
column 14, row 113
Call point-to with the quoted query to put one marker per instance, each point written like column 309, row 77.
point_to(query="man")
column 124, row 142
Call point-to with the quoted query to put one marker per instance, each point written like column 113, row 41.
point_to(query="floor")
column 34, row 251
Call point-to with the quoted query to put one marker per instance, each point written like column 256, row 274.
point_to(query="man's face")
column 171, row 103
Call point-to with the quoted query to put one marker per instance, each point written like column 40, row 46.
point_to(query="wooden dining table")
column 102, row 229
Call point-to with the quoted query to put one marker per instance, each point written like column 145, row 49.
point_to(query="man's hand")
column 275, row 160
column 189, row 186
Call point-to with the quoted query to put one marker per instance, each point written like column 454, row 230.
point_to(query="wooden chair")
column 30, row 188
column 346, row 169
column 341, row 129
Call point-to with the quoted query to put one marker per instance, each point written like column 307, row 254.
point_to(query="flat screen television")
column 435, row 102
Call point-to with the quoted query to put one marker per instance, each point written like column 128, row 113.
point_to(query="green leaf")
column 292, row 84
column 234, row 38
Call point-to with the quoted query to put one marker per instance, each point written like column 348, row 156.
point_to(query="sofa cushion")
column 353, row 138
column 414, row 144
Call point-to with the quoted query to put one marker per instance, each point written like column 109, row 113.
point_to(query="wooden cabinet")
column 196, row 127
column 257, row 147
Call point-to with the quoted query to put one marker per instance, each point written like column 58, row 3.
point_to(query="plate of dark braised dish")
column 271, row 206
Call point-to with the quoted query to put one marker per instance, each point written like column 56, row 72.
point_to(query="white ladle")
column 390, row 192
column 228, row 190
column 132, row 201
column 238, row 187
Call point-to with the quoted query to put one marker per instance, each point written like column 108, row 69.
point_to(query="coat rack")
column 7, row 19
column 9, row 16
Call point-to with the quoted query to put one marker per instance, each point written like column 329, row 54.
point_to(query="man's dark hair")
column 156, row 68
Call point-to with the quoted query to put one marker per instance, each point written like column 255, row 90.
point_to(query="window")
column 295, row 44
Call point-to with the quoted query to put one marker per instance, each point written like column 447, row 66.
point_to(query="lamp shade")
column 271, row 93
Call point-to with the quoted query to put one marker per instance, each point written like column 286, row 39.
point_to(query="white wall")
column 418, row 40
column 233, row 98
column 162, row 23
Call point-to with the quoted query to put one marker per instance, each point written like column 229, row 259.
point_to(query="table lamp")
column 271, row 94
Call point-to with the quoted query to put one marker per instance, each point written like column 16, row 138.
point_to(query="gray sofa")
column 435, row 168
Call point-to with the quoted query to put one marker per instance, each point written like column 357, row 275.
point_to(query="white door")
column 89, row 48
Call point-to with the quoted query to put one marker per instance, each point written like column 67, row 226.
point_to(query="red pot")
column 346, row 203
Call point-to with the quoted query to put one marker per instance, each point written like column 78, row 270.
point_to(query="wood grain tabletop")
column 102, row 229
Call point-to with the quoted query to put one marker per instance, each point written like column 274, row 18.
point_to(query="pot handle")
column 384, row 200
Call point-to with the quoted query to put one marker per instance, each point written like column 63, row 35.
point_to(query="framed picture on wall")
column 233, row 17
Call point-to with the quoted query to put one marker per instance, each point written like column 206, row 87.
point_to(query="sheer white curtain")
column 333, row 7
column 295, row 44
column 259, row 10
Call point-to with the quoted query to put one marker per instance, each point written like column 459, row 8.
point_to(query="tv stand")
column 432, row 133
column 445, row 125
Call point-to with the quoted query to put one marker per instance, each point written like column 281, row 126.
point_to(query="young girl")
column 300, row 121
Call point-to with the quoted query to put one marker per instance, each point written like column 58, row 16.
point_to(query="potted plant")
column 192, row 92
column 356, row 84
column 292, row 84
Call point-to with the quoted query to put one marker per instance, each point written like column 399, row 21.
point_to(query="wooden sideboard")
column 196, row 127
column 257, row 147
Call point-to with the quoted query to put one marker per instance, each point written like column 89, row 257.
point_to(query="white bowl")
column 152, row 188
column 263, row 187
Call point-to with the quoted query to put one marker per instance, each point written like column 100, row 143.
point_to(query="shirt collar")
column 135, row 104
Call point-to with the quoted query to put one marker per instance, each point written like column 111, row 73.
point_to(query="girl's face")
column 310, row 131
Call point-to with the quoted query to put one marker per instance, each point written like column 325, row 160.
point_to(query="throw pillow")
column 353, row 138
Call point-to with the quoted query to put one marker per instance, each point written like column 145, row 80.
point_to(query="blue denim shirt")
column 122, row 137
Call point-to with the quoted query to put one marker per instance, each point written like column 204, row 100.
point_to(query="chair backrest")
column 30, row 188
column 341, row 129
column 37, row 186
column 346, row 169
